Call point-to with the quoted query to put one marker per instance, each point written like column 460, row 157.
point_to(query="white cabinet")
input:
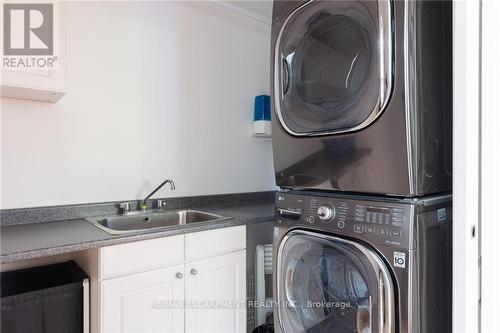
column 126, row 259
column 145, row 302
column 41, row 85
column 186, row 283
column 214, row 242
column 217, row 288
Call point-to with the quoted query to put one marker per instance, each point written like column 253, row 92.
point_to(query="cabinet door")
column 145, row 302
column 216, row 294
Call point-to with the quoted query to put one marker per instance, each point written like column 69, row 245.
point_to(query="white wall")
column 490, row 165
column 466, row 107
column 155, row 90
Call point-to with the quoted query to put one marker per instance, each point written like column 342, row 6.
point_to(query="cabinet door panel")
column 206, row 244
column 145, row 302
column 216, row 294
column 126, row 259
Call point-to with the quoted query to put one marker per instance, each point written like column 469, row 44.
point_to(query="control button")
column 396, row 233
column 358, row 228
column 371, row 230
column 310, row 219
column 382, row 231
column 326, row 213
column 341, row 224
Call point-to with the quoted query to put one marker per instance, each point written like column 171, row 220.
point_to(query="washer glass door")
column 333, row 66
column 327, row 284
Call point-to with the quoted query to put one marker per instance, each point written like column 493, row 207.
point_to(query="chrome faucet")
column 144, row 206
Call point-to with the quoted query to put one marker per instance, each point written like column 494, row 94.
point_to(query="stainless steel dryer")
column 361, row 264
column 362, row 96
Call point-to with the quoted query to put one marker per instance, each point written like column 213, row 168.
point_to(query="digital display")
column 378, row 210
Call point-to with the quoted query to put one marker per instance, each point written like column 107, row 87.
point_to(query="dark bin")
column 46, row 299
column 266, row 328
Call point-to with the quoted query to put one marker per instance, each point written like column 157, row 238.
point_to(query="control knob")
column 326, row 213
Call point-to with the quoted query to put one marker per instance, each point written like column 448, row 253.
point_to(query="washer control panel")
column 379, row 215
column 385, row 220
column 379, row 221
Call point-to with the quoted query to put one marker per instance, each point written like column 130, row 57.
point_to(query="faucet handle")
column 160, row 204
column 125, row 207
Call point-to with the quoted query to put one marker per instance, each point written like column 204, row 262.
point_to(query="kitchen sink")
column 142, row 221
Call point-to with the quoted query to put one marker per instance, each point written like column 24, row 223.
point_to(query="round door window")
column 326, row 286
column 328, row 63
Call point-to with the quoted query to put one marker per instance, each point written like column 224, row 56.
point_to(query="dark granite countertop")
column 34, row 240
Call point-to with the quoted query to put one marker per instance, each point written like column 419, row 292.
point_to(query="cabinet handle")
column 179, row 275
column 194, row 271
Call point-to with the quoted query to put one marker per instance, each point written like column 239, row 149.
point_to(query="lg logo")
column 28, row 29
column 399, row 259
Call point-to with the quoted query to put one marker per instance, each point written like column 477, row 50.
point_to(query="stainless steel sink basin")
column 142, row 221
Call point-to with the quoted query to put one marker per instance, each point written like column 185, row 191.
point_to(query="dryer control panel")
column 378, row 221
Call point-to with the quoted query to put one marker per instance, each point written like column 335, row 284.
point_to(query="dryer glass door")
column 328, row 284
column 333, row 66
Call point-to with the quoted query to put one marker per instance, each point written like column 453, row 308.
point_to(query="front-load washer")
column 362, row 96
column 362, row 264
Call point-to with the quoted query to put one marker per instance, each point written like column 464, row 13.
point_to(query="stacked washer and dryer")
column 362, row 99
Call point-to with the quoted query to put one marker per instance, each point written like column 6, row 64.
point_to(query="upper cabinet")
column 34, row 51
